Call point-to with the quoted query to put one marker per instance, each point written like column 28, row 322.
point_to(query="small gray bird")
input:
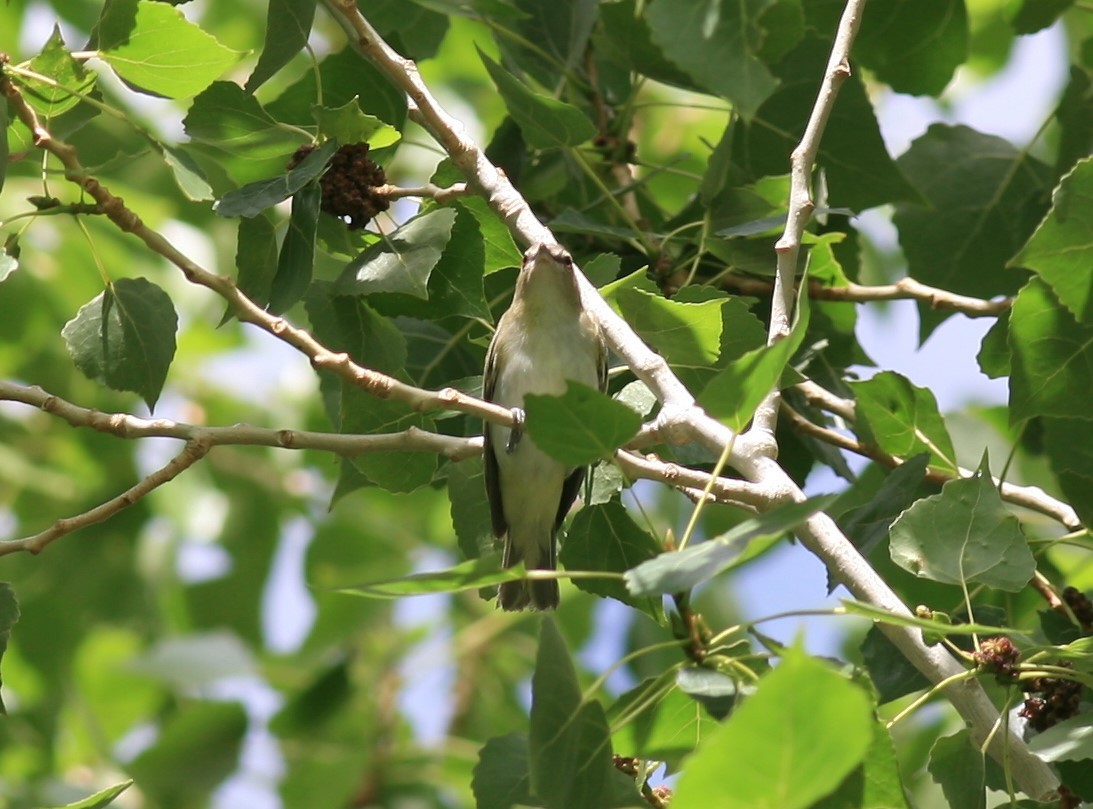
column 545, row 338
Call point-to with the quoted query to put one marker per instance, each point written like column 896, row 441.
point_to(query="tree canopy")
column 252, row 257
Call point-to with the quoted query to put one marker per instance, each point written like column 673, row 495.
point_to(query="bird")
column 544, row 339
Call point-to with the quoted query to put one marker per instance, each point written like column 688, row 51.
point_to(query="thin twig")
column 193, row 452
column 124, row 425
column 904, row 289
column 1030, row 497
column 802, row 162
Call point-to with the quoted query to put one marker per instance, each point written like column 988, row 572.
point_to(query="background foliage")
column 236, row 637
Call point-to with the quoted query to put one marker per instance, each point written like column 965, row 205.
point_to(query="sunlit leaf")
column 580, row 426
column 903, row 420
column 102, row 798
column 1050, row 357
column 167, row 55
column 1061, row 249
column 348, row 124
column 805, row 719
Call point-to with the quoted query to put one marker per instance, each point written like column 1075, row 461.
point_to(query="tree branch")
column 373, row 382
column 680, row 419
column 193, row 452
column 802, row 162
column 1030, row 497
column 904, row 289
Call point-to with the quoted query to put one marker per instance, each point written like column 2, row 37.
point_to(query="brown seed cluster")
column 1057, row 700
column 1081, row 606
column 998, row 656
column 349, row 184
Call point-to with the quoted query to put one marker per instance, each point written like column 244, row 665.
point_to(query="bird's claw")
column 517, row 431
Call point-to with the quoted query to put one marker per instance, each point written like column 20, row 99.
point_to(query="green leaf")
column 735, row 392
column 958, row 767
column 605, row 538
column 470, row 509
column 342, row 77
column 404, row 259
column 1075, row 117
column 124, row 337
column 288, row 26
column 1069, row 740
column 1061, row 249
column 167, row 55
column 198, row 748
column 687, row 334
column 243, row 135
column 1050, row 356
column 715, row 691
column 501, row 777
column 868, row 525
column 1030, row 16
column 903, row 420
column 659, row 721
column 348, row 124
column 455, row 283
column 473, row 574
column 892, row 674
column 964, row 535
column 501, row 250
column 9, row 616
column 1069, row 447
column 805, row 728
column 984, row 200
column 345, row 324
column 188, row 175
column 414, row 30
column 625, row 38
column 296, row 261
column 678, row 571
column 254, row 198
column 875, row 784
column 103, row 797
column 580, row 426
column 994, row 351
column 256, row 258
column 715, row 43
column 914, row 45
column 72, row 79
column 569, row 745
column 859, row 172
column 545, row 122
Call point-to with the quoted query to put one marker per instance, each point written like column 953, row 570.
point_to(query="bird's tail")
column 535, row 594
